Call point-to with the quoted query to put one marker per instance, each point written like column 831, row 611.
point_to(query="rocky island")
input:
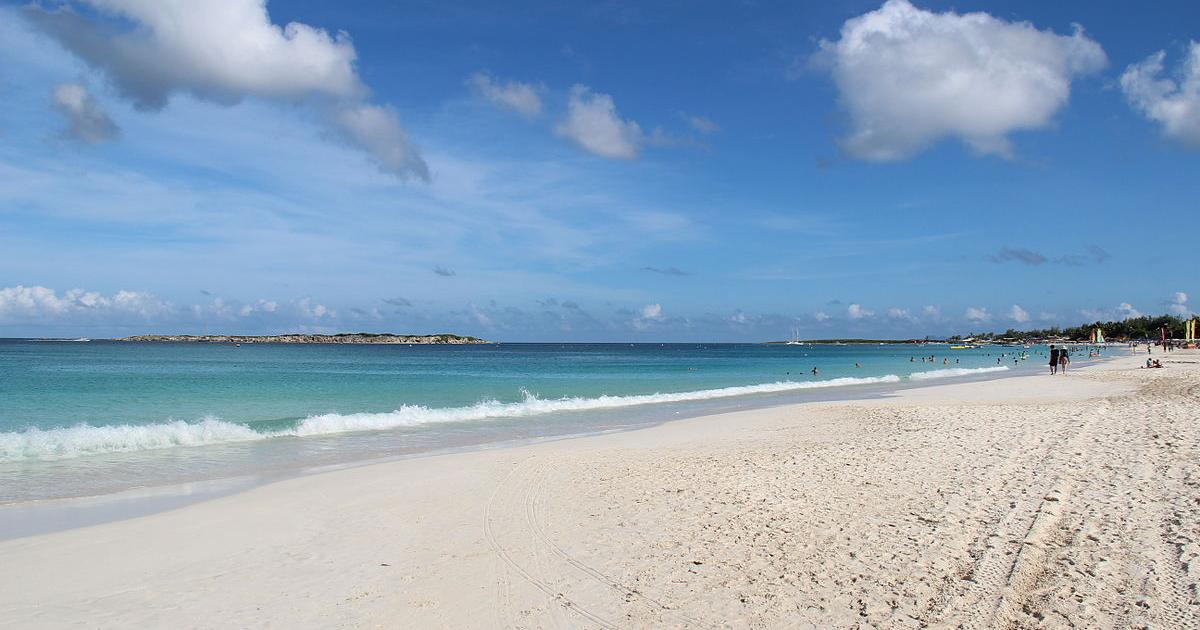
column 373, row 338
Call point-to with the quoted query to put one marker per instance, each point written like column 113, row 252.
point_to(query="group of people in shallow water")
column 931, row 359
column 1060, row 358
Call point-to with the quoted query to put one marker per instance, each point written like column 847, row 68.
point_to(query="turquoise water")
column 91, row 417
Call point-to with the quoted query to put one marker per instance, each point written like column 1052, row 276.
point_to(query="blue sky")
column 595, row 171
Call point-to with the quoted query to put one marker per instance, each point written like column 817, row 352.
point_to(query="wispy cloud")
column 515, row 96
column 444, row 272
column 667, row 271
column 1018, row 254
column 1092, row 254
column 86, row 120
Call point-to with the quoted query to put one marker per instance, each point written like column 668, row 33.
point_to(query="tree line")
column 1143, row 327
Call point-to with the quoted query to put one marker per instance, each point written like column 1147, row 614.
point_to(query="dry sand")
column 1029, row 501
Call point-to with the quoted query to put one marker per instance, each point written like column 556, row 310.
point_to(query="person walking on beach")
column 1053, row 359
column 1064, row 359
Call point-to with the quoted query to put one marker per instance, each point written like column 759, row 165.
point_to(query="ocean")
column 81, row 419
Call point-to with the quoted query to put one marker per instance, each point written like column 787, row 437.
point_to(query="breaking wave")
column 81, row 440
column 947, row 373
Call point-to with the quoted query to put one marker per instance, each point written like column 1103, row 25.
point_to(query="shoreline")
column 47, row 515
column 611, row 526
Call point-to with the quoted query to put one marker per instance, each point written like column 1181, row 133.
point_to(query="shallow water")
column 82, row 419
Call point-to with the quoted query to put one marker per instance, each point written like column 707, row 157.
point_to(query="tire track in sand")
column 533, row 499
column 496, row 503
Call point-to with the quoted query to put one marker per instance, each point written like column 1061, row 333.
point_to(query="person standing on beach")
column 1064, row 359
column 1053, row 359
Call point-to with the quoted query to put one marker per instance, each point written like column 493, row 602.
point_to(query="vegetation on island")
column 1143, row 327
column 1134, row 328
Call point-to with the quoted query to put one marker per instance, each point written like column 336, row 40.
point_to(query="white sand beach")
column 1028, row 501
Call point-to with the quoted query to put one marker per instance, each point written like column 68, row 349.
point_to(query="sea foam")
column 81, row 440
column 949, row 372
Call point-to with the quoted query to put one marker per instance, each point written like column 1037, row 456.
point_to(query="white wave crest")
column 85, row 439
column 947, row 373
column 89, row 440
column 407, row 415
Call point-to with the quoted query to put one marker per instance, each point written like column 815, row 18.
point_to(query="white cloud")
column 225, row 51
column 261, row 306
column 977, row 314
column 86, row 120
column 932, row 312
column 1018, row 314
column 377, row 130
column 1173, row 104
column 42, row 302
column 900, row 313
column 1126, row 311
column 820, row 316
column 592, row 123
column 515, row 96
column 910, row 78
column 702, row 124
column 652, row 312
column 856, row 311
column 307, row 309
column 1178, row 304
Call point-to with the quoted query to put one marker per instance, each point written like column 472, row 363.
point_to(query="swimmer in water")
column 814, row 371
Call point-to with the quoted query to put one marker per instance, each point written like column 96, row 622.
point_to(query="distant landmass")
column 375, row 338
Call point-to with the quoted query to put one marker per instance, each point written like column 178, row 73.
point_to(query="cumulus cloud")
column 900, row 313
column 1172, row 103
column 512, row 95
column 909, row 78
column 652, row 312
column 308, row 309
column 821, row 316
column 86, row 120
column 931, row 311
column 646, row 316
column 1018, row 314
column 260, row 306
column 1178, row 303
column 977, row 314
column 43, row 302
column 1127, row 311
column 856, row 311
column 592, row 123
column 224, row 51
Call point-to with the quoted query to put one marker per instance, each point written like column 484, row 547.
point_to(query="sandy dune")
column 1028, row 501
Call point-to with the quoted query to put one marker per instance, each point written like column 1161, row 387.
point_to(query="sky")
column 609, row 171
